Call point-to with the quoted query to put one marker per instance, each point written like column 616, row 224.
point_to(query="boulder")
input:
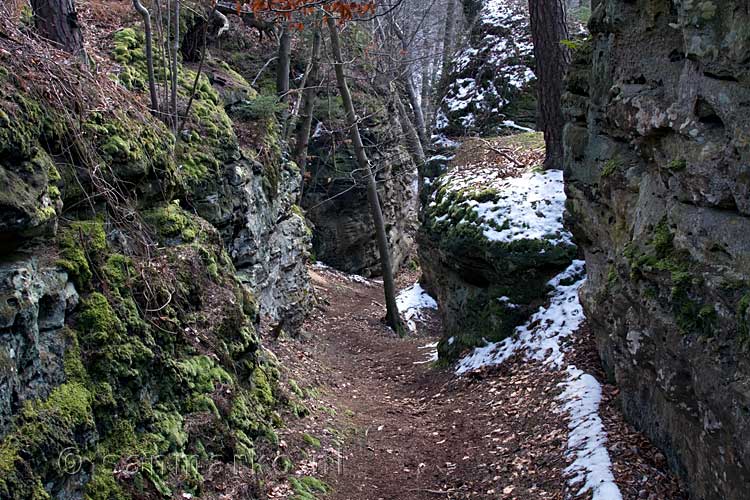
column 490, row 240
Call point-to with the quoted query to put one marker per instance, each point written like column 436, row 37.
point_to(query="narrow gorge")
column 197, row 197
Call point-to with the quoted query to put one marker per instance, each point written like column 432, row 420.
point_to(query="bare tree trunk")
column 548, row 28
column 149, row 54
column 175, row 52
column 392, row 317
column 411, row 93
column 448, row 36
column 425, row 91
column 413, row 144
column 57, row 21
column 282, row 70
column 308, row 103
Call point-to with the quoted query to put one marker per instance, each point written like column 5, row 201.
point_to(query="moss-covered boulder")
column 490, row 240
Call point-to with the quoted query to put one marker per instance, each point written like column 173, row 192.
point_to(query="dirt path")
column 392, row 426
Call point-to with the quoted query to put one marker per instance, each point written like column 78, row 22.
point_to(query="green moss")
column 611, row 276
column 200, row 374
column 172, row 222
column 262, row 386
column 118, row 270
column 82, row 244
column 611, row 166
column 307, row 487
column 296, row 388
column 112, row 352
column 209, row 138
column 43, row 429
column 677, row 165
column 311, row 440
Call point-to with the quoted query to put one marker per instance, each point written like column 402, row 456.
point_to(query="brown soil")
column 394, row 427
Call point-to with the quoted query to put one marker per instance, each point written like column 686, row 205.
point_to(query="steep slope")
column 130, row 363
column 491, row 83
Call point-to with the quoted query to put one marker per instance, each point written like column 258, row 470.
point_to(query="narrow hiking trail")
column 388, row 423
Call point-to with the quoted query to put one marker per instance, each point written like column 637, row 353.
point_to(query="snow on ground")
column 411, row 301
column 542, row 338
column 551, row 325
column 528, row 207
column 432, row 354
column 355, row 278
column 587, row 441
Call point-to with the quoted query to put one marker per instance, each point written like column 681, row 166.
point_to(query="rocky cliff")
column 135, row 267
column 657, row 158
column 491, row 83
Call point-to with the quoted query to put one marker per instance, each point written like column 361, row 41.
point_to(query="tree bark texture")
column 548, row 29
column 282, row 70
column 57, row 21
column 143, row 11
column 450, row 22
column 392, row 317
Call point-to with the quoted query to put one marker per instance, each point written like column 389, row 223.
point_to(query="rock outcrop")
column 491, row 239
column 335, row 196
column 657, row 159
column 35, row 299
column 491, row 84
column 129, row 327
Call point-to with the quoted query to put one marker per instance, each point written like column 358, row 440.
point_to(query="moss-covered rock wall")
column 656, row 160
column 136, row 268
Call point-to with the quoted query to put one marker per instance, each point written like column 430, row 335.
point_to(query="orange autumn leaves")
column 286, row 9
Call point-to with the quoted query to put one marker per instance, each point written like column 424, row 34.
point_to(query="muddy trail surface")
column 387, row 422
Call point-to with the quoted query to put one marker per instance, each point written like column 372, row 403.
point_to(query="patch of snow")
column 587, row 438
column 514, row 125
column 411, row 301
column 319, row 130
column 542, row 335
column 529, row 207
column 442, row 142
column 542, row 338
column 507, row 303
column 432, row 354
column 355, row 278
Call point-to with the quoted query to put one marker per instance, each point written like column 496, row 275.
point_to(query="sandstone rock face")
column 492, row 81
column 657, row 159
column 336, row 196
column 34, row 302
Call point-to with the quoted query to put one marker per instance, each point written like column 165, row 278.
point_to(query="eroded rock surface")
column 491, row 84
column 657, row 159
column 336, row 197
column 34, row 302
